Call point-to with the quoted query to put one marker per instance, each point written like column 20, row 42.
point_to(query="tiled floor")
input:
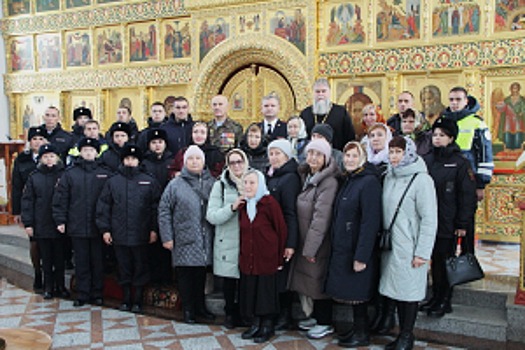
column 500, row 259
column 92, row 327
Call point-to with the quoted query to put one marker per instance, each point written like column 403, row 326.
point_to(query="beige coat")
column 314, row 213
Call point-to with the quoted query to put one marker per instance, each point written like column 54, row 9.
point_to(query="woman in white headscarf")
column 404, row 268
column 225, row 197
column 263, row 238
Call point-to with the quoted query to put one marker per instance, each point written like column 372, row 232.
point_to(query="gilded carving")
column 245, row 50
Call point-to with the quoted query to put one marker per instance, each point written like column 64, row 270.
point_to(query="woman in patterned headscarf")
column 404, row 268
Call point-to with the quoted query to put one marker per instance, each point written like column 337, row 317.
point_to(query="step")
column 16, row 258
column 487, row 298
column 469, row 321
column 14, row 235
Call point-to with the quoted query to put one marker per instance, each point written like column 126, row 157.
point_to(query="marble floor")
column 91, row 327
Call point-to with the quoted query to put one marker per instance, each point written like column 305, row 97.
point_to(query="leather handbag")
column 385, row 236
column 463, row 268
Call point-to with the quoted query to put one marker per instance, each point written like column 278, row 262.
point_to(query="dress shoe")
column 205, row 314
column 188, row 317
column 429, row 304
column 250, row 332
column 229, row 322
column 125, row 307
column 356, row 339
column 97, row 301
column 48, row 295
column 136, row 309
column 79, row 303
column 63, row 293
column 440, row 309
column 264, row 334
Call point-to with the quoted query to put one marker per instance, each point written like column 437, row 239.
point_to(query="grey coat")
column 413, row 233
column 182, row 219
column 227, row 241
column 314, row 214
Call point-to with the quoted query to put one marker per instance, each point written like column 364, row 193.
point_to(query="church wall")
column 97, row 52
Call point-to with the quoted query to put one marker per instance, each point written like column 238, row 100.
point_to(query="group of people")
column 284, row 209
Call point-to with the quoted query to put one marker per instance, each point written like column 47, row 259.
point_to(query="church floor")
column 91, row 327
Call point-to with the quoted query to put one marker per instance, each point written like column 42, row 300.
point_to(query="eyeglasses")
column 236, row 162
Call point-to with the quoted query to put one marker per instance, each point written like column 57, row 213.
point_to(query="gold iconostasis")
column 95, row 53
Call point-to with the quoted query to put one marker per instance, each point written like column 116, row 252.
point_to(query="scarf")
column 262, row 190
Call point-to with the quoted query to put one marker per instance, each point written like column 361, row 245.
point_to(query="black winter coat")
column 159, row 167
column 258, row 157
column 179, row 133
column 61, row 139
column 23, row 166
column 455, row 186
column 37, row 211
column 142, row 140
column 75, row 199
column 356, row 222
column 127, row 207
column 111, row 157
column 284, row 186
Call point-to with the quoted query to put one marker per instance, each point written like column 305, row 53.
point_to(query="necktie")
column 269, row 129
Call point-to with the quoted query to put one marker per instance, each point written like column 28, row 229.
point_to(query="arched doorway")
column 255, row 65
column 246, row 87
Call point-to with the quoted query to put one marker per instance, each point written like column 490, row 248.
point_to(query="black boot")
column 405, row 341
column 379, row 306
column 188, row 316
column 126, row 299
column 253, row 330
column 442, row 307
column 407, row 320
column 388, row 319
column 204, row 313
column 137, row 302
column 433, row 300
column 266, row 331
column 360, row 335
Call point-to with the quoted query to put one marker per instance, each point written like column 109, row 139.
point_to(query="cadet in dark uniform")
column 38, row 219
column 81, row 116
column 157, row 162
column 23, row 166
column 119, row 136
column 127, row 218
column 74, row 211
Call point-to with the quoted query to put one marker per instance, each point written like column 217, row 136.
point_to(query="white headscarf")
column 381, row 156
column 262, row 190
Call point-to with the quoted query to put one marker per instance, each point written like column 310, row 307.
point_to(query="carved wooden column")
column 520, row 291
column 393, row 89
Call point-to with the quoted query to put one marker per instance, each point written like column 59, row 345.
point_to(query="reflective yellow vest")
column 467, row 127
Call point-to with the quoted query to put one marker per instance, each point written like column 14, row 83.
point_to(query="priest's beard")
column 321, row 107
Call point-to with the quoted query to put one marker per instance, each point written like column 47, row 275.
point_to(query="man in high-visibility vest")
column 473, row 139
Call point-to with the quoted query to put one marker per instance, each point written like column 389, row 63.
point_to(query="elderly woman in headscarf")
column 225, row 197
column 298, row 138
column 185, row 231
column 407, row 186
column 376, row 145
column 263, row 240
column 353, row 264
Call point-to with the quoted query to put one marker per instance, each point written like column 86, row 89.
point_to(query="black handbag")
column 385, row 236
column 463, row 268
